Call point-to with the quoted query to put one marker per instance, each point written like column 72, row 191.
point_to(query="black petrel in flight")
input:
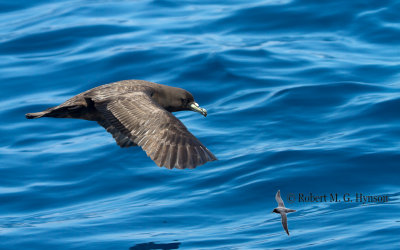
column 138, row 113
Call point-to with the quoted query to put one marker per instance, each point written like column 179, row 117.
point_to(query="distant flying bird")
column 281, row 209
column 138, row 113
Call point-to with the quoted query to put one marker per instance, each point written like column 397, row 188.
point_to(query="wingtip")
column 29, row 116
column 34, row 115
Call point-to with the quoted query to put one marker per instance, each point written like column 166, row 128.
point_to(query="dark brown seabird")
column 138, row 113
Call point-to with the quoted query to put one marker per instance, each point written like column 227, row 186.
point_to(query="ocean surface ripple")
column 302, row 96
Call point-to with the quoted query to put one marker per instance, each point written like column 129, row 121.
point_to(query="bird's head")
column 275, row 211
column 177, row 99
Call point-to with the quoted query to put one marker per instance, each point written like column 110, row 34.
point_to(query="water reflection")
column 152, row 245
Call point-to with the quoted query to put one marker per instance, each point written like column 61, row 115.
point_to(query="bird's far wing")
column 279, row 199
column 159, row 133
column 122, row 139
column 284, row 222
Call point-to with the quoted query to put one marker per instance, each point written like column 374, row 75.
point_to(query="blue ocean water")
column 302, row 96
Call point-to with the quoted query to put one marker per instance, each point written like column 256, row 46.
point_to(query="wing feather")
column 122, row 139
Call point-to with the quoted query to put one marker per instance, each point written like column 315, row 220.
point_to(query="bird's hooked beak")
column 195, row 107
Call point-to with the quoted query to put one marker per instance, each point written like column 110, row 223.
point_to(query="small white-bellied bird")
column 138, row 113
column 282, row 210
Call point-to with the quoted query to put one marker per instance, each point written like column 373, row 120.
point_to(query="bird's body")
column 138, row 112
column 282, row 210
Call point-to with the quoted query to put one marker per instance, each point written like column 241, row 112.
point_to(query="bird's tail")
column 61, row 111
column 50, row 112
column 290, row 211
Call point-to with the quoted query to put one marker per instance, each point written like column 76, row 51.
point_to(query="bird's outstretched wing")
column 279, row 199
column 284, row 222
column 158, row 132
